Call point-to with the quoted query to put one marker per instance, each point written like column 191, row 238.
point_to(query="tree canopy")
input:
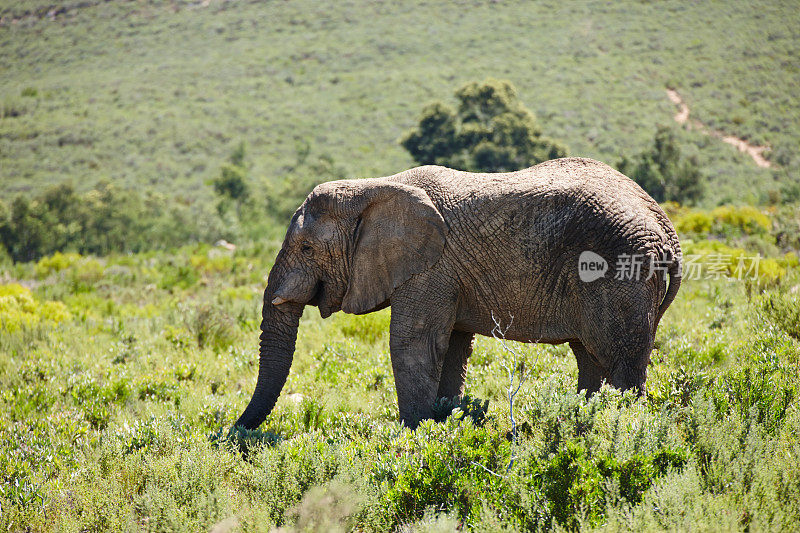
column 490, row 131
column 663, row 172
column 103, row 220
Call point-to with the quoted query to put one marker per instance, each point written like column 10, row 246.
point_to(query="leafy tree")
column 28, row 230
column 663, row 172
column 491, row 131
column 231, row 185
column 5, row 232
column 99, row 221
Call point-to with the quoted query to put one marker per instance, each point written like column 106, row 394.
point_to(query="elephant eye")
column 306, row 249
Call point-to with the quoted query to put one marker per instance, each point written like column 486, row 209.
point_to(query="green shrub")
column 210, row 326
column 231, row 185
column 12, row 107
column 96, row 399
column 735, row 263
column 760, row 392
column 157, row 389
column 86, row 305
column 474, row 408
column 155, row 435
column 29, row 400
column 180, row 337
column 679, row 387
column 787, row 226
column 784, row 310
column 55, row 263
column 490, row 132
column 20, row 310
column 575, row 483
column 85, row 275
column 694, row 222
column 453, row 465
column 745, row 219
column 216, row 415
column 331, row 507
column 100, row 221
column 178, row 277
column 663, row 172
column 214, row 262
column 244, row 440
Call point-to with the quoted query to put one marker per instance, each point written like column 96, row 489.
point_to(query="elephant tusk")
column 278, row 300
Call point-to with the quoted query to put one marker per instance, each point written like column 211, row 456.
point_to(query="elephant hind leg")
column 628, row 356
column 590, row 374
column 629, row 369
column 454, row 368
column 619, row 332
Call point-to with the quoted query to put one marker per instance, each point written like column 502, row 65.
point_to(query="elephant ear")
column 399, row 233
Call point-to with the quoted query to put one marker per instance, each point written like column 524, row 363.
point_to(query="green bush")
column 178, row 276
column 20, row 310
column 454, row 465
column 746, row 219
column 735, row 263
column 210, row 325
column 331, row 507
column 490, row 132
column 758, row 392
column 784, row 310
column 96, row 399
column 575, row 484
column 786, row 224
column 100, row 221
column 157, row 389
column 694, row 222
column 231, row 186
column 474, row 408
column 55, row 263
column 663, row 172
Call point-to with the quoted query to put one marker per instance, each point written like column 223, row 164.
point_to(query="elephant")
column 452, row 252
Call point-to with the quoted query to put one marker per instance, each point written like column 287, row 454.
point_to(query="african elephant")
column 453, row 251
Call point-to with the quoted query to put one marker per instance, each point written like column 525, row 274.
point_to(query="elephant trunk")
column 278, row 336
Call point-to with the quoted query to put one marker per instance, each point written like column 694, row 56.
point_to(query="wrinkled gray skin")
column 447, row 249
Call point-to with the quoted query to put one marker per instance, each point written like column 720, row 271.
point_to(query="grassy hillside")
column 120, row 376
column 156, row 94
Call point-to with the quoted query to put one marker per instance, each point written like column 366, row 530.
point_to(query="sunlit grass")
column 118, row 415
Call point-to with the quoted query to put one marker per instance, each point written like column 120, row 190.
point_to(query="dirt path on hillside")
column 682, row 117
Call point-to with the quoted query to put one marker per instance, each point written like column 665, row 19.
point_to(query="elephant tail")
column 674, row 269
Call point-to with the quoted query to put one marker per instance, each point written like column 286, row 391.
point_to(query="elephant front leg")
column 454, row 368
column 420, row 333
column 417, row 358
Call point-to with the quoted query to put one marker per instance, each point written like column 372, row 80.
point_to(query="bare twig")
column 492, row 472
column 517, row 376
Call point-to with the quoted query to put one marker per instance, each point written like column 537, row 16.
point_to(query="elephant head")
column 348, row 246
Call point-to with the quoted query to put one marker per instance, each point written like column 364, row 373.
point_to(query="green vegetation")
column 100, row 221
column 663, row 173
column 121, row 376
column 491, row 132
column 156, row 95
column 231, row 185
column 134, row 134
